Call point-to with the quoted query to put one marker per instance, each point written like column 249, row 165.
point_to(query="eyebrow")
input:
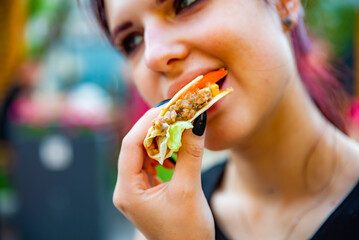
column 120, row 28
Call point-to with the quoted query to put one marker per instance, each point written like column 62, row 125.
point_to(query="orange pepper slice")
column 211, row 77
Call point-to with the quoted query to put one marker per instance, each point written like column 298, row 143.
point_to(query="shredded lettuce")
column 176, row 130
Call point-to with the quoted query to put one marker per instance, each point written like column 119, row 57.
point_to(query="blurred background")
column 67, row 100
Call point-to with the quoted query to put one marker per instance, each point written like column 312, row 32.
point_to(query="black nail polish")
column 172, row 160
column 199, row 124
column 163, row 102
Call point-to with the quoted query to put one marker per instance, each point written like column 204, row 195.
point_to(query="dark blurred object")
column 63, row 184
column 26, row 76
column 4, row 121
column 22, row 82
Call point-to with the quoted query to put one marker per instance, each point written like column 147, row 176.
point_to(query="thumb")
column 189, row 160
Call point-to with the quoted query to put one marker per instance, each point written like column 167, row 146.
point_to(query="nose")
column 163, row 48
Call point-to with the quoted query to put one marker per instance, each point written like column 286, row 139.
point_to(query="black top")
column 343, row 223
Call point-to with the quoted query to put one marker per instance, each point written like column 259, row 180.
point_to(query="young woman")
column 291, row 173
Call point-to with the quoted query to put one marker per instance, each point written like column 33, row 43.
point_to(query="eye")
column 180, row 5
column 131, row 42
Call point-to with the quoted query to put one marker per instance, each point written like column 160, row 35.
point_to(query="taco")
column 164, row 136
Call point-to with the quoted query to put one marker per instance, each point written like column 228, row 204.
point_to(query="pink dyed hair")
column 318, row 76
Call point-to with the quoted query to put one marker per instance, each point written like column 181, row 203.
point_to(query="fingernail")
column 199, row 124
column 163, row 102
column 172, row 160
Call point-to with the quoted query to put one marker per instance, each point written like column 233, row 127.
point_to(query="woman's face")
column 170, row 42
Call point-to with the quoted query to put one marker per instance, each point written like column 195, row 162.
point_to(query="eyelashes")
column 181, row 5
column 130, row 42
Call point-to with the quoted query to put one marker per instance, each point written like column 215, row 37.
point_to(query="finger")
column 189, row 160
column 157, row 181
column 169, row 164
column 133, row 154
column 153, row 162
column 150, row 166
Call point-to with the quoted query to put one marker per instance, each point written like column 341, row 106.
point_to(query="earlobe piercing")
column 287, row 22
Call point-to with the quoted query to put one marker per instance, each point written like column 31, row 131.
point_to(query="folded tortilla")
column 164, row 136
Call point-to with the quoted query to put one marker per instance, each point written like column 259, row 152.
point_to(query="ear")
column 288, row 11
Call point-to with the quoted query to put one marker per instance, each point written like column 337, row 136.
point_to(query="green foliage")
column 164, row 174
column 333, row 21
column 47, row 8
column 46, row 18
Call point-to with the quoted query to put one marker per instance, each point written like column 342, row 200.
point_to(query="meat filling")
column 185, row 108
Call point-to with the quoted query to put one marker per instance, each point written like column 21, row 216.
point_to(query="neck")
column 303, row 140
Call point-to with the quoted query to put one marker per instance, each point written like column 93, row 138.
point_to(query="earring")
column 287, row 22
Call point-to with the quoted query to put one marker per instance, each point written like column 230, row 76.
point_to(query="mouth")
column 220, row 82
column 178, row 85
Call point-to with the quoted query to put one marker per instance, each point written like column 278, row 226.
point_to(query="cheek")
column 245, row 35
column 255, row 99
column 148, row 87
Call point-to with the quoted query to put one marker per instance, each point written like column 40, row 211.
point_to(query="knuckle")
column 126, row 141
column 194, row 150
column 149, row 115
column 121, row 202
column 151, row 112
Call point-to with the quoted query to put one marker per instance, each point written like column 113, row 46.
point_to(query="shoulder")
column 344, row 218
column 211, row 178
column 343, row 223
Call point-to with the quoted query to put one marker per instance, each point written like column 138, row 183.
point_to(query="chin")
column 217, row 141
column 231, row 135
